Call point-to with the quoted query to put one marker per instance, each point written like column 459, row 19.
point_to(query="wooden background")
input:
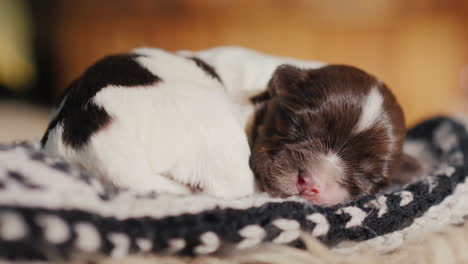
column 417, row 47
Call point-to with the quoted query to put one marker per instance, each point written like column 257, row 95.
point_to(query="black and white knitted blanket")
column 49, row 210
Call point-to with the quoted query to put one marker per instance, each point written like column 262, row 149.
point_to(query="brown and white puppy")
column 329, row 134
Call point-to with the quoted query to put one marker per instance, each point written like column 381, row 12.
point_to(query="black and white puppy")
column 153, row 120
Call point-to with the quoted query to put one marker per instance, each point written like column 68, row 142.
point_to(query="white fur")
column 328, row 172
column 371, row 110
column 184, row 127
column 245, row 72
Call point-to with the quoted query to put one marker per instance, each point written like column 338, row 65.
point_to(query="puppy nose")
column 306, row 184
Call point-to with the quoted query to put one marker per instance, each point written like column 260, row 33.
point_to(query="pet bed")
column 52, row 211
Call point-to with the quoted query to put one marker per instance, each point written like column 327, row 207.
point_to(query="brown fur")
column 305, row 113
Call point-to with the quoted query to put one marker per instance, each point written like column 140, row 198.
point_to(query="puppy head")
column 329, row 134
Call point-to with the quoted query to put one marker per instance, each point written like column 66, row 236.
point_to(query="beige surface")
column 446, row 246
column 20, row 121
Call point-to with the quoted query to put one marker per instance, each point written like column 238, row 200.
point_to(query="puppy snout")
column 306, row 184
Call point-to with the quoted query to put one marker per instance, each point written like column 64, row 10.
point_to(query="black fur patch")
column 208, row 69
column 79, row 116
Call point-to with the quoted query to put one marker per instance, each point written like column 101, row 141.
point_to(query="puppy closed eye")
column 295, row 122
column 287, row 119
column 284, row 126
column 275, row 152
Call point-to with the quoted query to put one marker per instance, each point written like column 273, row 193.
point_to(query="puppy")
column 329, row 134
column 153, row 121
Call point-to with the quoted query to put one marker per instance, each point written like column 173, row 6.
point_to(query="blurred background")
column 418, row 47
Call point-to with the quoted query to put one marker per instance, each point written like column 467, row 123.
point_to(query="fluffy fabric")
column 49, row 210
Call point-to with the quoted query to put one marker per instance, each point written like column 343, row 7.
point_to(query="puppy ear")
column 283, row 80
column 410, row 170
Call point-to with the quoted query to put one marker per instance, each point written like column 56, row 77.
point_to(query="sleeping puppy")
column 153, row 121
column 329, row 134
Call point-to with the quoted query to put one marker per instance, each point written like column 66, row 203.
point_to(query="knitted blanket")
column 50, row 210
